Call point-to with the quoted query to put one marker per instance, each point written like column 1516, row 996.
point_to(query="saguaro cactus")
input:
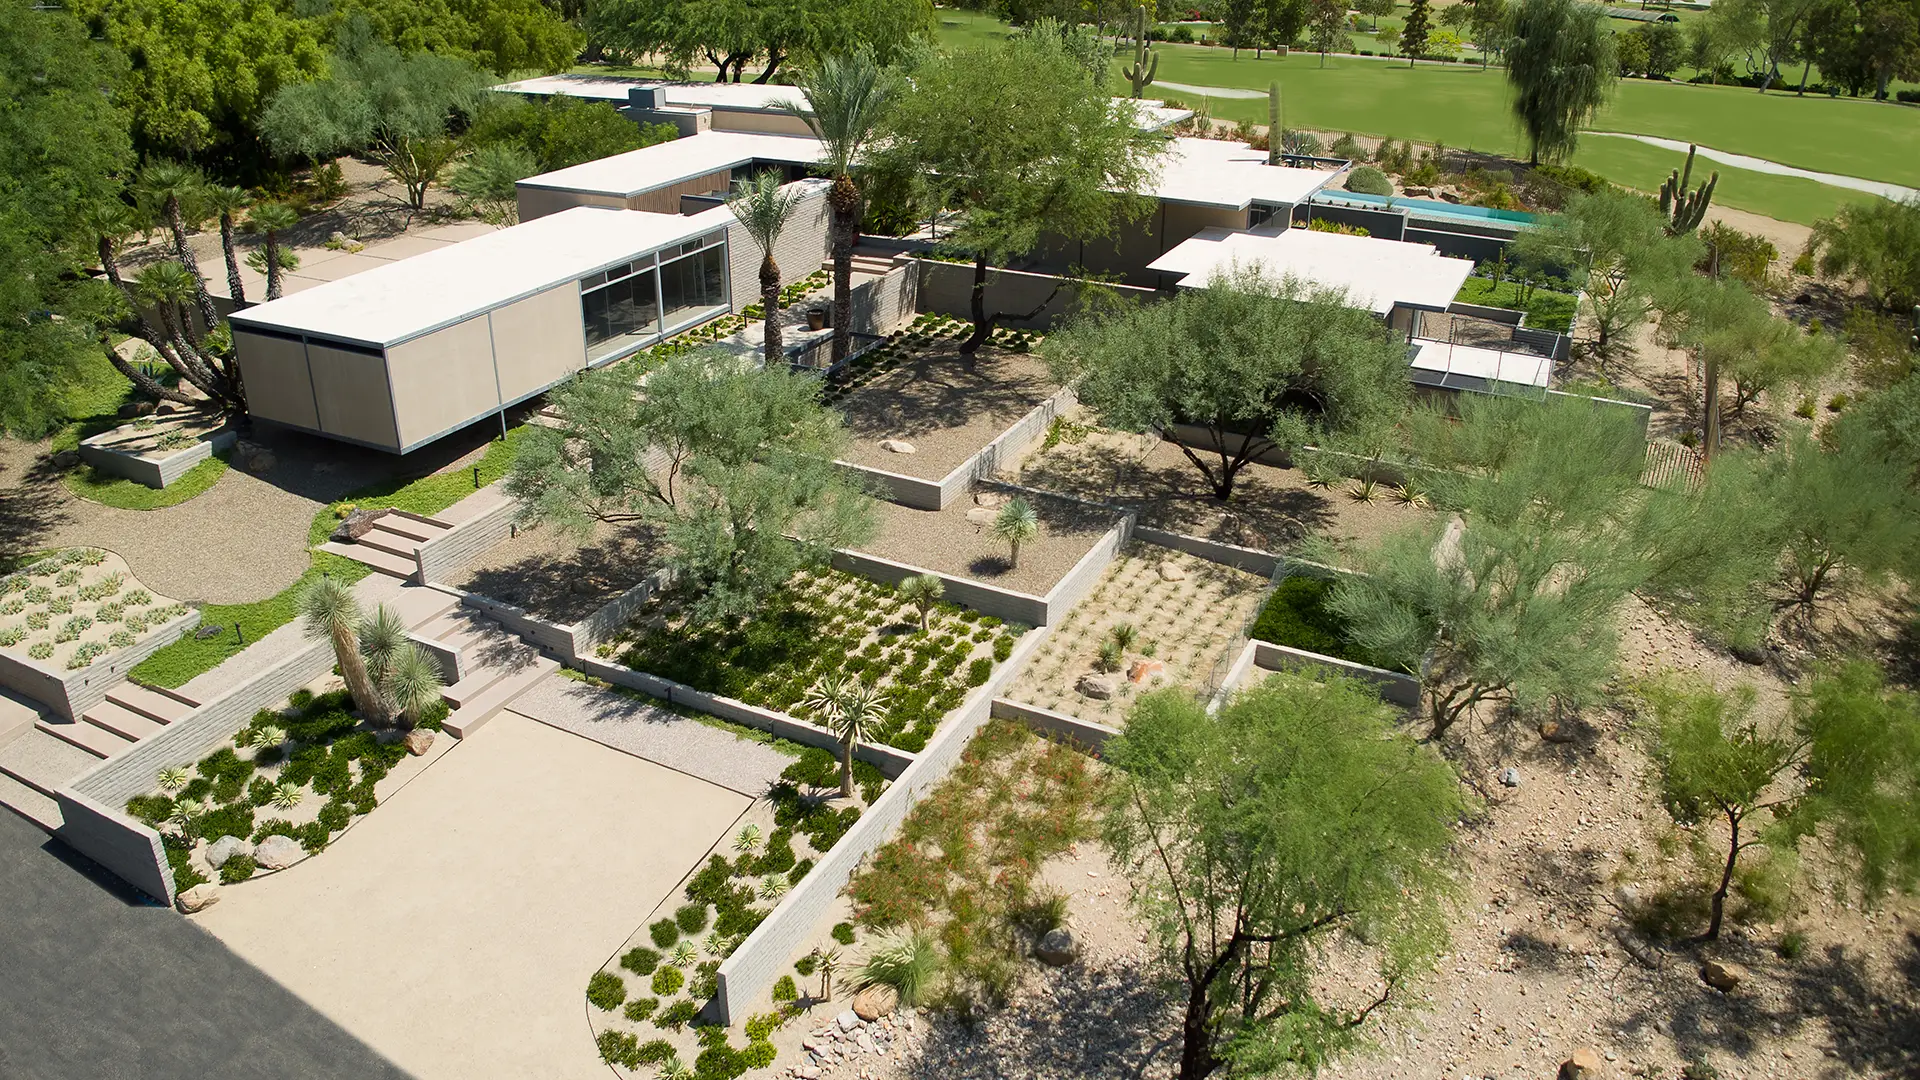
column 1276, row 135
column 1145, row 61
column 1685, row 209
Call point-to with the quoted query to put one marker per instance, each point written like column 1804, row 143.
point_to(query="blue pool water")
column 1427, row 207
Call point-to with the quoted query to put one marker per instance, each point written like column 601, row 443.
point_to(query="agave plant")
column 1365, row 489
column 683, row 955
column 286, row 795
column 748, row 840
column 172, row 779
column 1411, row 492
column 267, row 735
column 773, row 887
column 185, row 812
column 674, row 1069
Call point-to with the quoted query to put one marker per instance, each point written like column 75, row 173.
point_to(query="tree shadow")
column 936, row 392
column 1876, row 1028
column 567, row 586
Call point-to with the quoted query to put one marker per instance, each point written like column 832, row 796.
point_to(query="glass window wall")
column 694, row 287
column 621, row 315
column 623, row 306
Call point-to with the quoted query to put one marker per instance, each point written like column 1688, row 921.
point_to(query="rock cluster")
column 853, row 1044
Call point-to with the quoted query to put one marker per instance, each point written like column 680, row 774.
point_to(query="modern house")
column 689, row 174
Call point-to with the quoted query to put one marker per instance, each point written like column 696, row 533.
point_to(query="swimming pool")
column 1426, row 207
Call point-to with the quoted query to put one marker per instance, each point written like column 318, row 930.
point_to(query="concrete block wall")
column 1008, row 447
column 154, row 472
column 1003, row 604
column 1252, row 560
column 550, row 637
column 884, row 304
column 129, row 848
column 799, row 251
column 71, row 693
column 1085, row 734
column 591, row 630
column 899, row 488
column 947, row 289
column 1396, row 687
column 440, row 557
column 747, row 975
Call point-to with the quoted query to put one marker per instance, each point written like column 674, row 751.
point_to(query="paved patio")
column 455, row 928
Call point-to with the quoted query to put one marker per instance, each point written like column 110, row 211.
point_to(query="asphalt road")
column 96, row 983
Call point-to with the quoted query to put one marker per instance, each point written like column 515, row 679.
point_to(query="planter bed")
column 947, row 542
column 75, row 609
column 156, row 451
column 552, row 574
column 946, row 412
column 1296, row 616
column 825, row 623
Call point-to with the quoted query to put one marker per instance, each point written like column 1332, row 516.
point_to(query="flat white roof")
column 1454, row 363
column 1376, row 274
column 737, row 97
column 1231, row 175
column 385, row 305
column 664, row 164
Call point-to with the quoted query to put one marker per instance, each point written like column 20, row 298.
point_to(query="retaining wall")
column 747, row 975
column 551, row 637
column 1004, row 604
column 441, row 556
column 154, row 472
column 591, row 630
column 1084, row 734
column 947, row 289
column 1006, row 447
column 129, row 848
column 1252, row 560
column 71, row 693
column 1396, row 687
column 883, row 304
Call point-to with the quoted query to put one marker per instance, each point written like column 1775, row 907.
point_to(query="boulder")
column 875, row 1002
column 226, row 848
column 1751, row 655
column 1143, row 670
column 1582, row 1064
column 134, row 409
column 981, row 515
column 1510, row 777
column 1720, row 975
column 896, row 446
column 418, row 741
column 1057, row 947
column 1554, row 731
column 198, row 898
column 1170, row 571
column 66, row 459
column 1418, row 191
column 209, row 630
column 277, row 852
column 138, row 351
column 1097, row 687
column 354, row 526
column 847, row 1020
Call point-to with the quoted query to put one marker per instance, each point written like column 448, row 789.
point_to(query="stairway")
column 390, row 546
column 864, row 264
column 40, row 754
column 494, row 667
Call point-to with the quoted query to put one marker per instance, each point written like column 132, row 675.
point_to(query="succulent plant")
column 286, row 795
column 41, row 650
column 172, row 779
column 683, row 955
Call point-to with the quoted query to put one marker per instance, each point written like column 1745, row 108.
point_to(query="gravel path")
column 1762, row 165
column 655, row 734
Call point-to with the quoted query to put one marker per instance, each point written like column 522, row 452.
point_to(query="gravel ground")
column 557, row 576
column 946, row 541
column 634, row 726
column 1271, row 509
column 947, row 412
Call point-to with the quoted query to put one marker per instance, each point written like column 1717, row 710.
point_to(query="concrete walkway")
column 99, row 986
column 638, row 727
column 454, row 929
column 1774, row 168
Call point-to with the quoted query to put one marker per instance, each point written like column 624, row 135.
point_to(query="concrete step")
column 43, row 762
column 479, row 679
column 17, row 715
column 35, row 807
column 387, row 563
column 384, row 539
column 122, row 721
column 458, row 632
column 97, row 741
column 411, row 528
column 468, row 718
column 156, row 705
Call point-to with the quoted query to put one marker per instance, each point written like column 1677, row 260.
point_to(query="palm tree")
column 177, row 194
column 851, row 708
column 270, row 219
column 110, row 223
column 225, row 201
column 763, row 206
column 167, row 287
column 845, row 96
column 331, row 611
column 923, row 591
column 1016, row 524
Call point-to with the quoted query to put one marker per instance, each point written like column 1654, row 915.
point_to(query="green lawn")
column 118, row 491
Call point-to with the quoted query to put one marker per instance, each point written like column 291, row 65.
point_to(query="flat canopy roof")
column 1476, row 367
column 664, row 164
column 386, row 305
column 1231, row 175
column 738, row 97
column 1376, row 274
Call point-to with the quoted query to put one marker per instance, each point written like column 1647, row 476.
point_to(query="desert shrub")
column 907, row 961
column 759, row 1054
column 1368, row 180
column 721, row 1062
column 41, row 650
column 178, row 854
column 664, row 933
column 1346, row 146
column 655, row 1051
column 677, row 1015
column 237, row 868
column 233, row 820
column 11, row 636
column 667, row 981
column 619, row 1048
column 738, row 922
column 640, row 960
column 639, row 1009
column 1039, row 913
column 336, row 815
column 775, row 858
column 709, row 885
column 800, row 870
column 843, row 933
column 1296, row 615
column 806, row 966
column 784, row 990
column 1745, row 256
column 606, row 990
column 691, row 918
column 152, row 809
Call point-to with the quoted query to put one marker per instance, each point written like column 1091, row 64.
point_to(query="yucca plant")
column 411, row 683
column 330, row 610
column 1016, row 524
column 1123, row 634
column 674, row 1069
column 826, row 963
column 851, row 709
column 269, row 735
column 1364, row 489
column 923, row 591
column 185, row 813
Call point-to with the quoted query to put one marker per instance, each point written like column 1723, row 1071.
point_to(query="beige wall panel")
column 350, row 390
column 539, row 202
column 275, row 371
column 772, row 123
column 666, row 200
column 443, row 379
column 539, row 341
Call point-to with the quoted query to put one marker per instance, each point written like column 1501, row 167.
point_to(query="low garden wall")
column 1004, row 604
column 153, row 470
column 1084, row 734
column 1396, row 687
column 91, row 804
column 746, row 976
column 947, row 289
column 440, row 557
column 71, row 693
column 617, row 613
column 548, row 636
column 906, row 490
column 922, row 494
column 1252, row 560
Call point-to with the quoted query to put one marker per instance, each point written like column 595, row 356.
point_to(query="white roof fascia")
column 665, row 164
column 1376, row 274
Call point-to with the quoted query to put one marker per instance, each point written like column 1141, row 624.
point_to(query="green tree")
column 1616, row 244
column 846, row 100
column 1296, row 820
column 1846, row 763
column 224, row 201
column 1027, row 145
column 63, row 155
column 763, row 206
column 394, row 108
column 732, row 463
column 1850, row 518
column 923, row 591
column 1327, row 28
column 110, row 223
column 1877, row 244
column 1886, row 426
column 1374, row 9
column 329, row 610
column 176, row 194
column 1260, row 364
column 560, row 131
column 1733, row 333
column 502, row 36
column 1413, row 35
column 1016, row 524
column 168, row 289
column 1560, row 64
column 1665, row 48
column 728, row 34
column 270, row 219
column 488, row 178
column 851, row 708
